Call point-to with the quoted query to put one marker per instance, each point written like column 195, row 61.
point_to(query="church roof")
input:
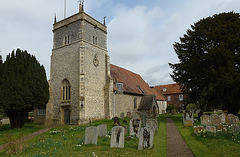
column 132, row 82
column 169, row 89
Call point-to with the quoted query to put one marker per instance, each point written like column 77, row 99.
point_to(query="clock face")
column 95, row 61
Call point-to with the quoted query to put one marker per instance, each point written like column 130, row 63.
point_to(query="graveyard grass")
column 69, row 141
column 7, row 134
column 213, row 145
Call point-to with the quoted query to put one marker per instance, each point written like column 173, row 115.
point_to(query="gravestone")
column 235, row 129
column 232, row 119
column 188, row 116
column 211, row 129
column 135, row 125
column 152, row 123
column 219, row 127
column 146, row 135
column 5, row 120
column 129, row 116
column 205, row 120
column 223, row 117
column 126, row 130
column 173, row 112
column 215, row 119
column 91, row 135
column 116, row 121
column 197, row 111
column 117, row 137
column 188, row 123
column 219, row 111
column 144, row 119
column 122, row 115
column 102, row 130
column 198, row 129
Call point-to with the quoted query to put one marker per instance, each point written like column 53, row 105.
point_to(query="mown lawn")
column 7, row 134
column 68, row 141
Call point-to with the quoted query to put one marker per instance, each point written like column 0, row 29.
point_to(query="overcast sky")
column 140, row 32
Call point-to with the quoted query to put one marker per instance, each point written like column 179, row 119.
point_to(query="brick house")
column 173, row 94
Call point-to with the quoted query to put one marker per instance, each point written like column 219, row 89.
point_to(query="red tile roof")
column 132, row 82
column 170, row 88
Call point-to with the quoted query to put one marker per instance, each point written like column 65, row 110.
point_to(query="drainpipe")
column 115, row 92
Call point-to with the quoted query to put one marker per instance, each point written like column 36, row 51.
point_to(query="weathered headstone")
column 144, row 119
column 126, row 130
column 235, row 129
column 5, row 120
column 198, row 129
column 129, row 116
column 122, row 115
column 219, row 127
column 223, row 117
column 188, row 116
column 102, row 130
column 173, row 112
column 145, row 138
column 135, row 125
column 117, row 137
column 188, row 123
column 232, row 119
column 211, row 129
column 152, row 123
column 205, row 120
column 91, row 135
column 116, row 121
column 215, row 119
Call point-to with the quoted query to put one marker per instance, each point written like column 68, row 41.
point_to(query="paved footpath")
column 3, row 146
column 176, row 146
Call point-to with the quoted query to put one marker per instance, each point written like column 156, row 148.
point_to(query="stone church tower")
column 81, row 87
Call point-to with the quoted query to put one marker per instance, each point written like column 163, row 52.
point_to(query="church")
column 84, row 86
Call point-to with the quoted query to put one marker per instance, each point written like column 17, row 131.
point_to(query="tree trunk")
column 17, row 118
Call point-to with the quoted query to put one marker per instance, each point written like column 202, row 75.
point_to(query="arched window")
column 65, row 90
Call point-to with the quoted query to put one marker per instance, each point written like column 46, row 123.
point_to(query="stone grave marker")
column 135, row 125
column 205, row 120
column 235, row 129
column 188, row 123
column 5, row 120
column 145, row 138
column 232, row 119
column 211, row 129
column 126, row 130
column 219, row 127
column 117, row 137
column 91, row 135
column 152, row 123
column 223, row 117
column 173, row 112
column 129, row 116
column 116, row 121
column 198, row 129
column 122, row 115
column 144, row 119
column 188, row 116
column 102, row 130
column 215, row 119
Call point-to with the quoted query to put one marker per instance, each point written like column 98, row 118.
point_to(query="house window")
column 66, row 90
column 135, row 103
column 42, row 111
column 181, row 97
column 164, row 90
column 169, row 98
column 119, row 86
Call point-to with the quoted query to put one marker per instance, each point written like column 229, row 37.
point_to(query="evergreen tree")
column 209, row 56
column 25, row 86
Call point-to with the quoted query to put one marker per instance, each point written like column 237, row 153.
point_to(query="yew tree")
column 209, row 62
column 24, row 86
